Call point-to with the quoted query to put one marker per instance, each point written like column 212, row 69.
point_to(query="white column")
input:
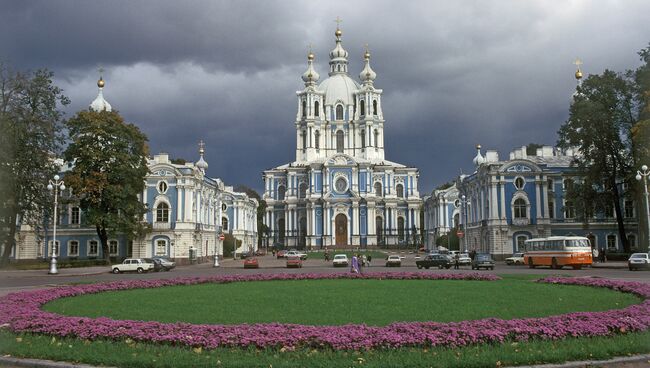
column 537, row 198
column 493, row 200
column 503, row 199
column 187, row 213
column 545, row 192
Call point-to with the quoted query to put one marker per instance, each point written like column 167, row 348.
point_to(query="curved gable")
column 519, row 166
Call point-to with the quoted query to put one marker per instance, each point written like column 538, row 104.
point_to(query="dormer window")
column 339, row 112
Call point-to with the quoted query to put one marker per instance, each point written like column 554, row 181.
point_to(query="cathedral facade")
column 340, row 191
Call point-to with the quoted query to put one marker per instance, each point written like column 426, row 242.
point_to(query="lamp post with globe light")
column 464, row 201
column 55, row 186
column 643, row 174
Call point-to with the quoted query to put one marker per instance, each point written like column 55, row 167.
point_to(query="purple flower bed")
column 22, row 313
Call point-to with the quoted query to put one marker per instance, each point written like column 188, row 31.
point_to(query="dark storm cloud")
column 454, row 74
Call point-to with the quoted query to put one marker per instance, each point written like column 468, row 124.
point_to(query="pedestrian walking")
column 369, row 259
column 594, row 255
column 456, row 262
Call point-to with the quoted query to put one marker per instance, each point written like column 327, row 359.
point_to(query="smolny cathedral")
column 340, row 191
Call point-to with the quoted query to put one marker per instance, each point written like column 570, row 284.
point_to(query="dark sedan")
column 434, row 260
column 482, row 261
column 161, row 263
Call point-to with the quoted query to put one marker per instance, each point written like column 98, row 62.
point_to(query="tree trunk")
column 10, row 241
column 619, row 219
column 103, row 238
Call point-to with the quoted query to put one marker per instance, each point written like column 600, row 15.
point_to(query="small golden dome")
column 578, row 74
column 100, row 83
column 478, row 146
column 310, row 56
column 366, row 55
column 338, row 33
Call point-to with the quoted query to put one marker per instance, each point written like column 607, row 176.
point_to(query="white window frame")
column 169, row 212
column 607, row 237
column 523, row 185
column 75, row 254
column 157, row 247
column 117, row 247
column 159, row 184
column 88, row 248
column 72, row 219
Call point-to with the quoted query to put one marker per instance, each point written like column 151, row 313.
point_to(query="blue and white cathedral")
column 340, row 191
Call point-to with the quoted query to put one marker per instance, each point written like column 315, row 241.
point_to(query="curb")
column 40, row 363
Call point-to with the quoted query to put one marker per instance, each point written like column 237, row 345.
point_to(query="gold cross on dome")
column 577, row 63
column 100, row 69
column 201, row 146
column 338, row 22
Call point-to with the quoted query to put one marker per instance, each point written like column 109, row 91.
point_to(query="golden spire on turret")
column 366, row 55
column 100, row 82
column 577, row 63
column 310, row 56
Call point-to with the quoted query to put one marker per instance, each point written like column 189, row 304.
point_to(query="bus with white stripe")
column 558, row 252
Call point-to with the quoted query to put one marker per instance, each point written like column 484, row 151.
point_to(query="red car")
column 294, row 262
column 251, row 263
column 280, row 254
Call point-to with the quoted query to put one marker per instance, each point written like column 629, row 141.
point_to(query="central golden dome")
column 100, row 83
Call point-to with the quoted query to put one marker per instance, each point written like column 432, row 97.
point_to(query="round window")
column 162, row 187
column 341, row 185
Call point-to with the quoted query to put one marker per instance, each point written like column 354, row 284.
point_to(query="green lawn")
column 337, row 302
column 130, row 354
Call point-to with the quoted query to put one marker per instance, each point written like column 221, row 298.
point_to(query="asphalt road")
column 11, row 281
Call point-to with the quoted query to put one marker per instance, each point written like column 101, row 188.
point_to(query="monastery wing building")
column 340, row 191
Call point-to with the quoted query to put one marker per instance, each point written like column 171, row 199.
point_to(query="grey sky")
column 454, row 73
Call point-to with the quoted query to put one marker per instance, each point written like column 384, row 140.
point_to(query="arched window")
column 316, row 109
column 281, row 192
column 339, row 112
column 363, row 138
column 302, row 191
column 224, row 224
column 521, row 241
column 399, row 188
column 400, row 228
column 374, row 107
column 304, row 139
column 611, row 242
column 162, row 212
column 376, row 138
column 520, row 208
column 317, row 139
column 304, row 108
column 339, row 141
column 378, row 191
column 363, row 108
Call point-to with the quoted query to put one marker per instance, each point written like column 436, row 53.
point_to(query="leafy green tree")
column 110, row 165
column 641, row 136
column 599, row 127
column 531, row 148
column 30, row 136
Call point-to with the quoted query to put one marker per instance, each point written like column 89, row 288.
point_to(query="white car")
column 638, row 261
column 133, row 265
column 340, row 260
column 393, row 261
column 294, row 254
column 464, row 259
column 516, row 259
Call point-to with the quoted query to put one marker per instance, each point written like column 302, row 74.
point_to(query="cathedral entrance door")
column 341, row 223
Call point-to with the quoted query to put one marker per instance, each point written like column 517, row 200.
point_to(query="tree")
column 30, row 126
column 531, row 148
column 110, row 165
column 599, row 127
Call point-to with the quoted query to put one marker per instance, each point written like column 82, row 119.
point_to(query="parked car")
column 294, row 262
column 251, row 262
column 393, row 261
column 295, row 253
column 138, row 265
column 162, row 263
column 280, row 254
column 483, row 261
column 340, row 260
column 516, row 259
column 638, row 261
column 434, row 260
column 464, row 259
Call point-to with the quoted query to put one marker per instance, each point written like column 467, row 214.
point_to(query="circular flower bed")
column 21, row 313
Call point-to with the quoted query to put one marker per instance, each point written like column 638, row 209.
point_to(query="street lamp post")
column 643, row 174
column 463, row 201
column 55, row 186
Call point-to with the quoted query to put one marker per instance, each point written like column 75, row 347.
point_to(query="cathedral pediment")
column 340, row 159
